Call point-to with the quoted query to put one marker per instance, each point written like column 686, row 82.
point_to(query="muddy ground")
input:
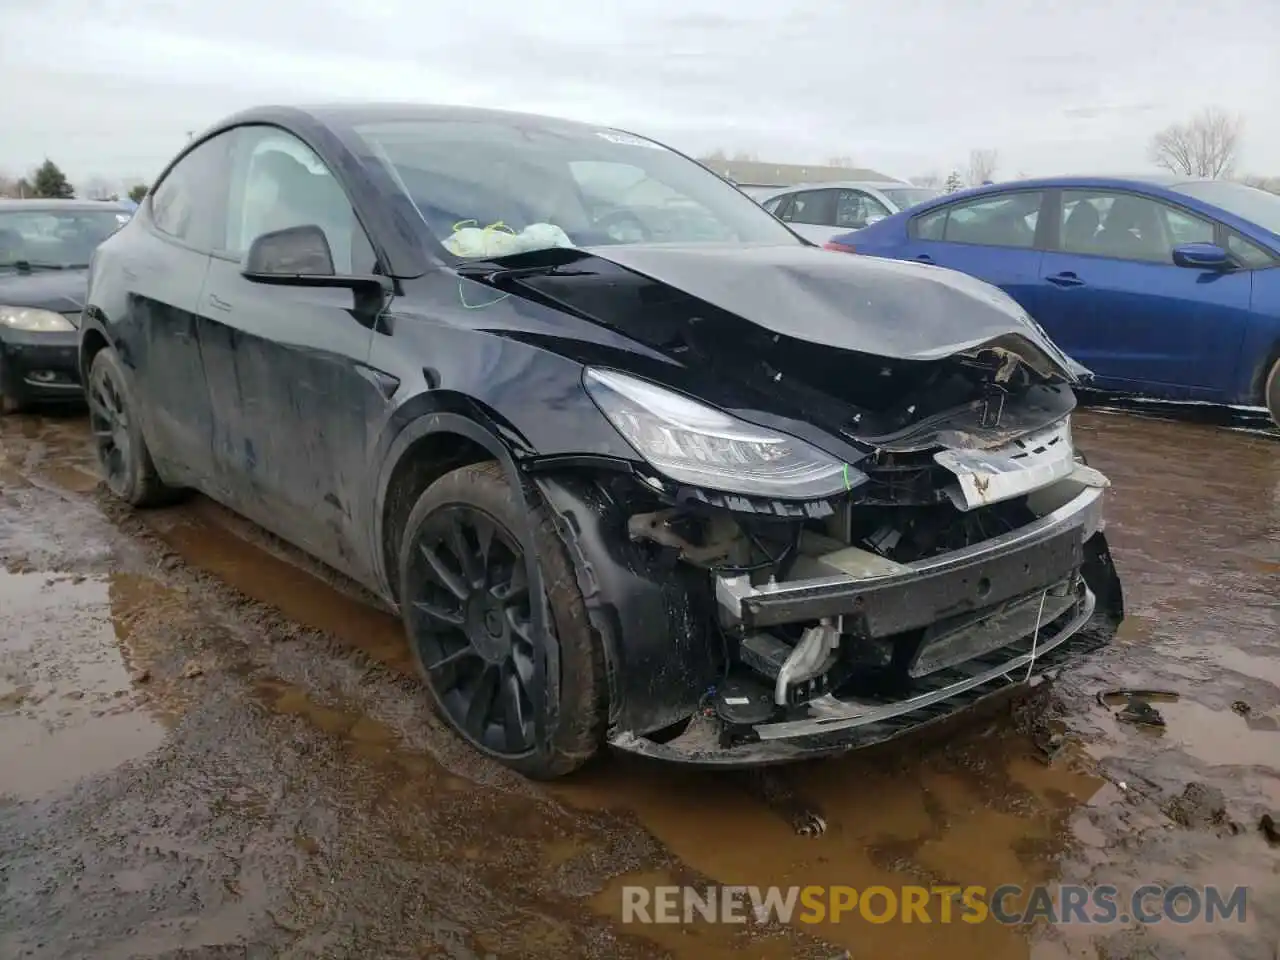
column 208, row 748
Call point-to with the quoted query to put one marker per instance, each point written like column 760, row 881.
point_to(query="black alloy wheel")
column 110, row 423
column 471, row 627
column 121, row 449
column 467, row 601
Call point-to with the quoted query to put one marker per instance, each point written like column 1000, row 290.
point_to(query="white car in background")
column 820, row 211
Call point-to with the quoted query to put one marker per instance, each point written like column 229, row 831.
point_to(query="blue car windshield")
column 495, row 186
column 1247, row 203
column 51, row 237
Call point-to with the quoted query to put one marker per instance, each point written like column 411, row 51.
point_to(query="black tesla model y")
column 635, row 463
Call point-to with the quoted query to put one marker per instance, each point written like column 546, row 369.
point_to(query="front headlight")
column 34, row 321
column 699, row 445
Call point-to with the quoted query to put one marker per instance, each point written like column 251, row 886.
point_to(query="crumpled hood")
column 62, row 291
column 888, row 308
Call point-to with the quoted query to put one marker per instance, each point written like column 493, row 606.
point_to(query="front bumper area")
column 37, row 367
column 930, row 590
column 1017, row 606
column 856, row 725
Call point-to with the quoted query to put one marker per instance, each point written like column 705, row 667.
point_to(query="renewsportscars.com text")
column 1009, row 904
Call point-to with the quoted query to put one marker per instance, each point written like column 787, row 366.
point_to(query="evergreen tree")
column 954, row 182
column 136, row 193
column 49, row 181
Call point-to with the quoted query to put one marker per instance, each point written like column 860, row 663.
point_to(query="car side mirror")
column 293, row 252
column 1201, row 256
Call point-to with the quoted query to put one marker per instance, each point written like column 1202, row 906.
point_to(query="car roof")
column 349, row 114
column 858, row 184
column 35, row 204
column 1148, row 181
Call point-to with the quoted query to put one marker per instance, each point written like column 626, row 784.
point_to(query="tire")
column 123, row 457
column 469, row 631
column 9, row 402
column 1271, row 392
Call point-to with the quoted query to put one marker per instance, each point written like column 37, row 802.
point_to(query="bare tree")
column 1207, row 145
column 8, row 186
column 982, row 166
column 744, row 155
column 927, row 180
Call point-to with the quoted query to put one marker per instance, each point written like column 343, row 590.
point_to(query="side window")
column 855, row 209
column 930, row 226
column 1186, row 228
column 1248, row 254
column 1005, row 220
column 813, row 207
column 185, row 204
column 278, row 182
column 772, row 204
column 1127, row 226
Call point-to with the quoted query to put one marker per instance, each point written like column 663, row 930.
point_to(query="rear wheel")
column 123, row 457
column 467, row 609
column 1271, row 392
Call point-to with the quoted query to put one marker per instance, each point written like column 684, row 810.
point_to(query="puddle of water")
column 67, row 708
column 299, row 595
column 1213, row 737
column 699, row 938
column 995, row 819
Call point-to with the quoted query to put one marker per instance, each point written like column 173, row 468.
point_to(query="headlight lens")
column 34, row 321
column 692, row 443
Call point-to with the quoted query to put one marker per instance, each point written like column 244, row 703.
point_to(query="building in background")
column 761, row 173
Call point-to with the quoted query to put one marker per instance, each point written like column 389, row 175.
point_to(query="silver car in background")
column 820, row 211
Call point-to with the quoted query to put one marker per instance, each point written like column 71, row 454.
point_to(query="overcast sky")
column 110, row 87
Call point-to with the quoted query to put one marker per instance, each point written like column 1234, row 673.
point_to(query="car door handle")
column 1065, row 279
column 923, row 258
column 218, row 303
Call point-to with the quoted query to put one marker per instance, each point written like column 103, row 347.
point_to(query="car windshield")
column 491, row 187
column 54, row 238
column 1247, row 203
column 904, row 197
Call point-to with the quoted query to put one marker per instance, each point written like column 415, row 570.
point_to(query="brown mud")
column 210, row 747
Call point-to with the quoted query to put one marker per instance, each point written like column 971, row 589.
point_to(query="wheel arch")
column 1258, row 382
column 424, row 451
column 93, row 338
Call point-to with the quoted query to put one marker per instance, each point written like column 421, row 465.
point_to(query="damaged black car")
column 636, row 464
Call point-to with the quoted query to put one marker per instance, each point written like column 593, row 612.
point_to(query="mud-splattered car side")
column 635, row 463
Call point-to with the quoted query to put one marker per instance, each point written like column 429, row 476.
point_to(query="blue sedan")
column 1163, row 288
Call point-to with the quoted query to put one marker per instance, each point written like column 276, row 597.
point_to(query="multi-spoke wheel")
column 469, row 614
column 122, row 452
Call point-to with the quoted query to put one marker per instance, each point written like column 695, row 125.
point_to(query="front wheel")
column 467, row 607
column 123, row 457
column 9, row 402
column 1271, row 392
